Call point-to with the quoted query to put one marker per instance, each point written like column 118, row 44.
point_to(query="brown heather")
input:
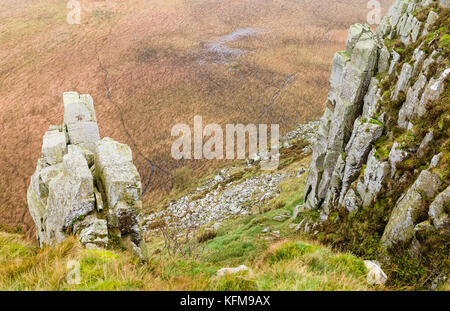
column 150, row 51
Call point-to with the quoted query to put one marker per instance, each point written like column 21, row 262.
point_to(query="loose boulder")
column 225, row 271
column 375, row 275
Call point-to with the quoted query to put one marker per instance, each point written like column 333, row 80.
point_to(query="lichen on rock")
column 351, row 75
column 83, row 185
column 400, row 227
column 380, row 164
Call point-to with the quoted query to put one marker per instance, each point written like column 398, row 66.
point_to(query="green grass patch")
column 290, row 250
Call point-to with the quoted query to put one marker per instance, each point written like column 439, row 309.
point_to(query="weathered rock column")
column 119, row 179
column 83, row 185
column 350, row 78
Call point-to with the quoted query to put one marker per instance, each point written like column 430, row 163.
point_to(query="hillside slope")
column 377, row 189
column 152, row 56
column 378, row 182
column 289, row 264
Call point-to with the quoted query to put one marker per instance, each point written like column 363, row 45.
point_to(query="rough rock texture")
column 444, row 3
column 437, row 210
column 400, row 227
column 403, row 80
column 397, row 154
column 53, row 146
column 95, row 234
column 372, row 99
column 79, row 120
column 432, row 92
column 409, row 107
column 382, row 143
column 365, row 132
column 122, row 186
column 375, row 275
column 78, row 177
column 374, row 176
column 350, row 78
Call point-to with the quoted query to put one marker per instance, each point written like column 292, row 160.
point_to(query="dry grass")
column 24, row 267
column 277, row 262
column 288, row 265
column 150, row 50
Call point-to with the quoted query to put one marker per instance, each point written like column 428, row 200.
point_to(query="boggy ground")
column 152, row 64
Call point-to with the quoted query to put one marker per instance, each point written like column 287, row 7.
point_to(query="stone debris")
column 276, row 233
column 297, row 210
column 300, row 172
column 226, row 271
column 280, row 218
column 266, row 230
column 218, row 204
column 295, row 227
column 375, row 275
column 221, row 197
column 306, row 132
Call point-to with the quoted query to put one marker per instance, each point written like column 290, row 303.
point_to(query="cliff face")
column 378, row 183
column 84, row 185
column 380, row 167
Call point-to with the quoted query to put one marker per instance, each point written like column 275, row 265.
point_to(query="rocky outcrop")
column 83, row 185
column 350, row 78
column 400, row 21
column 376, row 135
